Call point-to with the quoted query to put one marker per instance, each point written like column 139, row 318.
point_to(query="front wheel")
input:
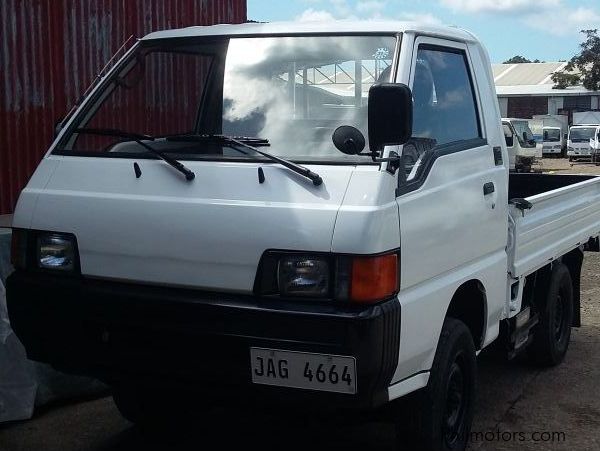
column 151, row 409
column 444, row 409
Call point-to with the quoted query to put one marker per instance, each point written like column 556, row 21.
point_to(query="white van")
column 310, row 217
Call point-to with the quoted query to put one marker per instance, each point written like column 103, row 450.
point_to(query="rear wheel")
column 552, row 335
column 443, row 412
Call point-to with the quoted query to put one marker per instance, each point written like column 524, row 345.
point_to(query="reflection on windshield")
column 292, row 91
column 296, row 91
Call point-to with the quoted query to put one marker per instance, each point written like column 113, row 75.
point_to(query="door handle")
column 488, row 188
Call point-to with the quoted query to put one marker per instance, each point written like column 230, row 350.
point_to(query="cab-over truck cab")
column 581, row 140
column 313, row 215
column 522, row 147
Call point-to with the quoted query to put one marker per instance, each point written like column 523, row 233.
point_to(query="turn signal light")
column 374, row 278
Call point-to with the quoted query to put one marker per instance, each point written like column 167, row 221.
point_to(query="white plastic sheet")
column 18, row 386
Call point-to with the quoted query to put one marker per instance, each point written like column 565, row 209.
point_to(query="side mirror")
column 58, row 126
column 510, row 140
column 348, row 140
column 390, row 115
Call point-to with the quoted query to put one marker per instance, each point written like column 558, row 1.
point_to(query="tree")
column 587, row 63
column 518, row 59
column 562, row 79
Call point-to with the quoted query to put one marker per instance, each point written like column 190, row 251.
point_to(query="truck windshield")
column 582, row 134
column 523, row 127
column 552, row 135
column 290, row 91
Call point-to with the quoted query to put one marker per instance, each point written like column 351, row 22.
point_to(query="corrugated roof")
column 532, row 79
column 525, row 74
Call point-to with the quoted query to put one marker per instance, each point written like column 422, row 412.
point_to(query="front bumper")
column 123, row 333
column 579, row 153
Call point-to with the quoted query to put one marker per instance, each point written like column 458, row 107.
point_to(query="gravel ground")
column 519, row 406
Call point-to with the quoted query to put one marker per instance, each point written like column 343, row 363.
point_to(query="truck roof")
column 341, row 26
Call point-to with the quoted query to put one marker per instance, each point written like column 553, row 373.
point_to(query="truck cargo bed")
column 565, row 213
column 527, row 185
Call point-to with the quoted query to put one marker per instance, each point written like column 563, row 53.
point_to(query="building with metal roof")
column 526, row 89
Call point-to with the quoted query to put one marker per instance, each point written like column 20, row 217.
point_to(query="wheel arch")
column 469, row 304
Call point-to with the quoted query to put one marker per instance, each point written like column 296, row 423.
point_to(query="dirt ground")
column 519, row 407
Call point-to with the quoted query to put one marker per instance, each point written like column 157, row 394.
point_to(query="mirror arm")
column 373, row 154
column 394, row 159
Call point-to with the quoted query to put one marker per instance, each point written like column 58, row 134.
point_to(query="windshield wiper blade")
column 246, row 142
column 140, row 138
column 251, row 140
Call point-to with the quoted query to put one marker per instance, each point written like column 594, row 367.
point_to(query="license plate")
column 305, row 370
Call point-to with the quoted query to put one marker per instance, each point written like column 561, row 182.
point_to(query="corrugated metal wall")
column 51, row 50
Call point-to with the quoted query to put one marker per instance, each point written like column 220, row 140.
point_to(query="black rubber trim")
column 438, row 152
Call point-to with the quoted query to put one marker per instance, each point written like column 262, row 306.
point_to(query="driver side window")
column 444, row 105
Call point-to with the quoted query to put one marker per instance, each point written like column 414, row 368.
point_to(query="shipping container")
column 52, row 50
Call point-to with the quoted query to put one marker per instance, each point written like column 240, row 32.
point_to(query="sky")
column 548, row 30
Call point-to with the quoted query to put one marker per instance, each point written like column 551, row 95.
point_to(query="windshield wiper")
column 139, row 138
column 251, row 144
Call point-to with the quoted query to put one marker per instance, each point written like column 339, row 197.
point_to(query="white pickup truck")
column 316, row 216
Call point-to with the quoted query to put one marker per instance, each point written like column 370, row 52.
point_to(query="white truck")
column 578, row 142
column 216, row 224
column 551, row 131
column 523, row 150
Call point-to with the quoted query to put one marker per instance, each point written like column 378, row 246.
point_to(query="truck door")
column 453, row 205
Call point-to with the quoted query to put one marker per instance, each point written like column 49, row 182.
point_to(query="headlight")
column 303, row 276
column 56, row 252
column 346, row 278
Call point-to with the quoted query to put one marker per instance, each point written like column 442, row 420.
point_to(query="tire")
column 151, row 410
column 442, row 412
column 552, row 335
